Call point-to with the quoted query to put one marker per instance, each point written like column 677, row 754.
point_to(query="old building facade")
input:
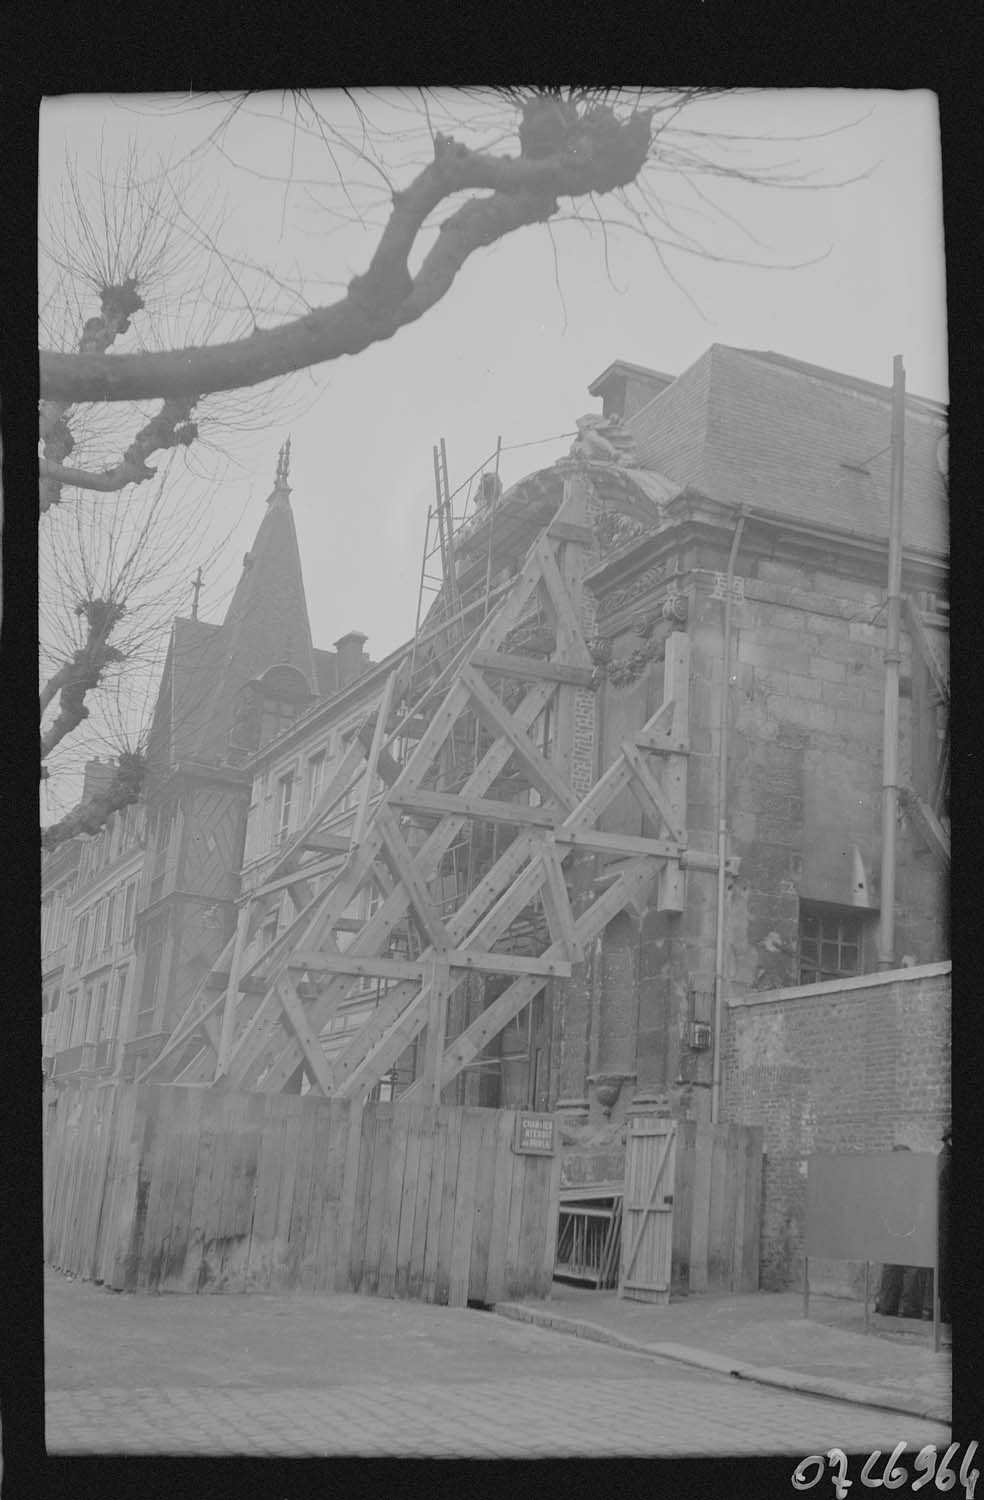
column 133, row 916
column 742, row 504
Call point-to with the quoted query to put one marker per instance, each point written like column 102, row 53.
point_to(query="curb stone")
column 855, row 1393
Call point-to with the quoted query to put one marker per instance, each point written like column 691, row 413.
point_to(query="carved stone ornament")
column 644, row 583
column 604, row 440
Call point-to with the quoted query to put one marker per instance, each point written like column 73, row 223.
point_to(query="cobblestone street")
column 370, row 1377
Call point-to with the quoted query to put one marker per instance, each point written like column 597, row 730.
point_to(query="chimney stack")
column 348, row 649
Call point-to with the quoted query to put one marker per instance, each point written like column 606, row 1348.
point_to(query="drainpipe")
column 890, row 740
column 722, row 850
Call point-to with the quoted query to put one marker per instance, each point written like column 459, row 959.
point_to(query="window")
column 129, row 901
column 283, row 814
column 68, row 1020
column 81, row 929
column 110, row 921
column 99, row 1018
column 82, row 1018
column 113, row 1027
column 315, row 778
column 97, row 914
column 830, row 944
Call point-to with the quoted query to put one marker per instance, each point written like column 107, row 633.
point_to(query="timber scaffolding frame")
column 260, row 1025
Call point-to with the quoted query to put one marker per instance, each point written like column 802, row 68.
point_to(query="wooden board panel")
column 285, row 1201
column 259, row 1264
column 412, row 1286
column 549, row 1247
column 317, row 1254
column 410, row 1117
column 452, row 1156
column 360, row 1218
column 157, row 1239
column 439, row 1131
column 703, row 1149
column 459, row 1260
column 683, row 1204
column 734, row 1188
column 512, row 1280
column 647, row 1224
column 495, row 1278
column 399, row 1194
column 145, row 1134
column 172, row 1270
column 716, row 1270
column 751, row 1226
column 536, row 1204
column 347, row 1205
column 232, row 1235
column 115, row 1180
column 392, row 1188
column 117, row 1260
column 482, row 1216
column 300, row 1206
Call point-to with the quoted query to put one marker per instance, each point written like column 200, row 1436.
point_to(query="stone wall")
column 858, row 1065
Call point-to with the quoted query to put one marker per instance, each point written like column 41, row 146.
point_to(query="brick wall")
column 859, row 1065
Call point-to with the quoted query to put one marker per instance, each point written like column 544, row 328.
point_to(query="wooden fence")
column 717, row 1207
column 152, row 1187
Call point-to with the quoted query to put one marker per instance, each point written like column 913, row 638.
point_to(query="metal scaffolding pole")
column 890, row 741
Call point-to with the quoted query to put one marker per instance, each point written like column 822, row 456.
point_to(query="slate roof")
column 266, row 623
column 750, row 427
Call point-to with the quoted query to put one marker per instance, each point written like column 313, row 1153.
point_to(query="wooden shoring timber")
column 575, row 648
column 374, row 1052
column 257, row 905
column 251, row 1045
column 927, row 650
column 505, row 664
column 372, row 760
column 437, row 987
column 375, row 934
column 649, row 794
column 498, row 720
column 556, row 903
column 405, row 871
column 925, row 819
column 630, row 884
column 395, row 1010
column 293, row 1009
column 676, row 689
column 443, row 804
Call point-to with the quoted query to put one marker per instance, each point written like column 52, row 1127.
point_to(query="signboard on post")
column 873, row 1206
column 534, row 1135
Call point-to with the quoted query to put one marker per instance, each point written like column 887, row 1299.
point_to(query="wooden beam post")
column 676, row 687
column 437, row 980
column 228, row 1027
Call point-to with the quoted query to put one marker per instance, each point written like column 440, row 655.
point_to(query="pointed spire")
column 280, row 485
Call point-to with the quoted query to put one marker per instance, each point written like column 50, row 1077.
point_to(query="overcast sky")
column 531, row 322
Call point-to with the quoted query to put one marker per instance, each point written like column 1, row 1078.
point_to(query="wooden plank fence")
column 162, row 1187
column 717, row 1207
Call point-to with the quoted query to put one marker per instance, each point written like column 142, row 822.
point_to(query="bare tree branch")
column 83, row 673
column 590, row 152
column 90, row 816
column 170, row 428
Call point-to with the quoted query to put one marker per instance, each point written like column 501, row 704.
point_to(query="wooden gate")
column 157, row 1188
column 647, row 1213
column 692, row 1208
